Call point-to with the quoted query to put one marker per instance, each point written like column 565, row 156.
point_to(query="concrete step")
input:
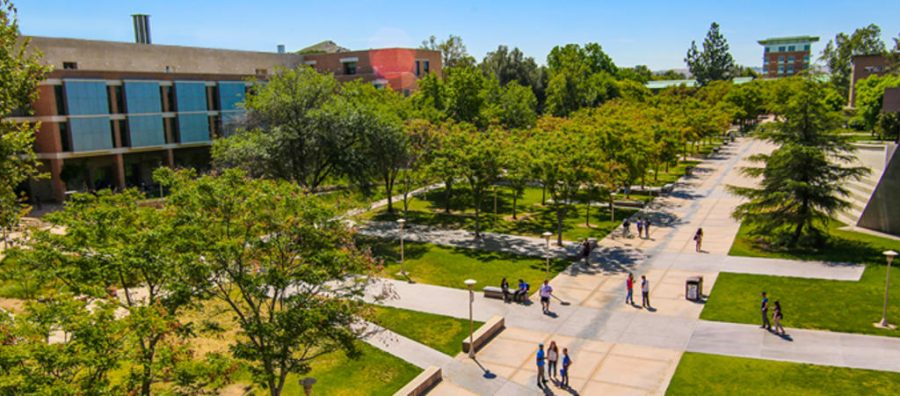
column 870, row 181
column 861, row 189
column 847, row 218
column 859, row 197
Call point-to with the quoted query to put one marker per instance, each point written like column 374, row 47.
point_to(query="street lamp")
column 612, row 206
column 401, row 223
column 469, row 284
column 308, row 383
column 890, row 254
column 547, row 236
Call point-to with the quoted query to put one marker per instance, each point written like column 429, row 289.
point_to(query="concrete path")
column 624, row 349
column 395, row 199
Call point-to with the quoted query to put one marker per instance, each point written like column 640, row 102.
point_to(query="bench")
column 423, row 383
column 495, row 292
column 667, row 189
column 625, row 203
column 485, row 333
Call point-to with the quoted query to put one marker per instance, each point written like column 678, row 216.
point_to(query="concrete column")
column 120, row 171
column 170, row 158
column 56, row 182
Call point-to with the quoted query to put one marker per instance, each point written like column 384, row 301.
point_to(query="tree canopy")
column 714, row 61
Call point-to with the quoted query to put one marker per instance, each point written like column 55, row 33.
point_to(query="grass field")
column 442, row 333
column 702, row 374
column 446, row 266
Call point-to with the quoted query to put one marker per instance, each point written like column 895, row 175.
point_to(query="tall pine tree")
column 714, row 62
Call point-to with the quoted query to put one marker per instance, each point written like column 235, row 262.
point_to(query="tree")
column 303, row 128
column 285, row 266
column 453, row 51
column 112, row 241
column 515, row 108
column 465, row 94
column 639, row 73
column 839, row 52
column 562, row 160
column 18, row 89
column 669, row 75
column 512, row 65
column 579, row 77
column 423, row 138
column 870, row 96
column 430, row 100
column 477, row 159
column 517, row 163
column 748, row 102
column 714, row 62
column 803, row 183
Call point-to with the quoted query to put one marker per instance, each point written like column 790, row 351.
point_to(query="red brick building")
column 865, row 66
column 395, row 68
column 786, row 56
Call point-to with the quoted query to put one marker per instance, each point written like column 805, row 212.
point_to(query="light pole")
column 890, row 254
column 307, row 384
column 612, row 206
column 547, row 236
column 401, row 223
column 470, row 283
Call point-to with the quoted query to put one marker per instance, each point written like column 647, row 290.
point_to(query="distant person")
column 640, row 227
column 698, row 238
column 626, row 226
column 504, row 286
column 564, row 372
column 541, row 379
column 552, row 358
column 522, row 291
column 647, row 227
column 645, row 292
column 764, row 309
column 629, row 289
column 546, row 293
column 777, row 316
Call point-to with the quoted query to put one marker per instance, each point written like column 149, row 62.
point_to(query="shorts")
column 545, row 299
column 563, row 372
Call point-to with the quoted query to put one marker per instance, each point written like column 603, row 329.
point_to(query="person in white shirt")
column 645, row 291
column 546, row 292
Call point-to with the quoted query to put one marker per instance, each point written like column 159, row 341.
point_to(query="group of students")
column 550, row 359
column 645, row 290
column 777, row 316
column 519, row 295
column 642, row 224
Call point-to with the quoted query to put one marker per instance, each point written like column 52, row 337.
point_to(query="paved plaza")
column 619, row 348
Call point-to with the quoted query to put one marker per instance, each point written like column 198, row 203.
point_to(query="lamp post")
column 470, row 283
column 401, row 223
column 307, row 384
column 612, row 206
column 547, row 236
column 890, row 254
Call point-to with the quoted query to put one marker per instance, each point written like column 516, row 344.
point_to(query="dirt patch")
column 13, row 305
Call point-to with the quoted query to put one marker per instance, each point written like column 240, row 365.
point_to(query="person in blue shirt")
column 541, row 379
column 764, row 308
column 522, row 291
column 566, row 363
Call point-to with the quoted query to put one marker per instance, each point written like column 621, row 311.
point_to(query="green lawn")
column 702, row 374
column 844, row 306
column 533, row 219
column 442, row 333
column 844, row 246
column 447, row 266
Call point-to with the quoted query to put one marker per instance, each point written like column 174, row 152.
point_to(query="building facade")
column 864, row 66
column 786, row 56
column 111, row 112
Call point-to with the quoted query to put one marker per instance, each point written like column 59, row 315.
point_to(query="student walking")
column 629, row 289
column 540, row 367
column 764, row 308
column 546, row 292
column 566, row 363
column 698, row 237
column 640, row 227
column 647, row 227
column 552, row 358
column 777, row 316
column 626, row 226
column 645, row 291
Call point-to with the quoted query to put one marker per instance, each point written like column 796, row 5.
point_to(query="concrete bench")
column 423, row 383
column 495, row 292
column 624, row 203
column 485, row 333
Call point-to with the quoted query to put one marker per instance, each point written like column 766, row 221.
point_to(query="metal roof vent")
column 141, row 28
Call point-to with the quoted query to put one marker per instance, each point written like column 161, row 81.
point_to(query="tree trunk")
column 560, row 214
column 656, row 171
column 587, row 216
column 543, row 194
column 448, row 187
column 515, row 196
column 389, row 189
column 477, row 220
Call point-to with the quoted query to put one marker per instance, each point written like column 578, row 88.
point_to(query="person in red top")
column 629, row 289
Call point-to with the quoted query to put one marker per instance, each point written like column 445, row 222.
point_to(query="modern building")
column 112, row 112
column 658, row 85
column 864, row 66
column 786, row 56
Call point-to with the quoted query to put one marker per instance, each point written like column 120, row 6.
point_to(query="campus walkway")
column 624, row 349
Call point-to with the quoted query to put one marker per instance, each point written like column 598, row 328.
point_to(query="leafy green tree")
column 423, row 139
column 477, row 160
column 712, row 63
column 748, row 102
column 285, row 266
column 512, row 65
column 563, row 161
column 515, row 108
column 639, row 73
column 60, row 346
column 579, row 77
column 465, row 94
column 839, row 52
column 517, row 163
column 803, row 182
column 430, row 100
column 669, row 75
column 303, row 129
column 870, row 96
column 113, row 242
column 453, row 51
column 22, row 71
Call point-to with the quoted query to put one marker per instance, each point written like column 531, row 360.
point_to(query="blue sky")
column 654, row 33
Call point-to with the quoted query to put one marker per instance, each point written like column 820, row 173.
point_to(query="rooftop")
column 787, row 40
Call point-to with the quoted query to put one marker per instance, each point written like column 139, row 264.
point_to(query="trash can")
column 693, row 288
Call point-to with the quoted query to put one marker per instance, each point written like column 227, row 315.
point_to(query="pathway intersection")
column 617, row 348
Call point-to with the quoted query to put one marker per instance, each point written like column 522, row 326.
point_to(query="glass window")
column 142, row 97
column 193, row 128
column 86, row 97
column 781, row 59
column 418, row 68
column 64, row 138
column 89, row 134
column 791, row 48
column 70, row 65
column 123, row 132
column 780, row 49
column 190, row 96
column 806, row 47
column 791, row 70
column 349, row 68
column 146, row 130
column 231, row 94
column 791, row 59
column 427, row 67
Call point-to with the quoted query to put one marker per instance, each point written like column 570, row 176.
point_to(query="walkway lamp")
column 470, row 283
column 547, row 236
column 889, row 255
column 401, row 223
column 307, row 384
